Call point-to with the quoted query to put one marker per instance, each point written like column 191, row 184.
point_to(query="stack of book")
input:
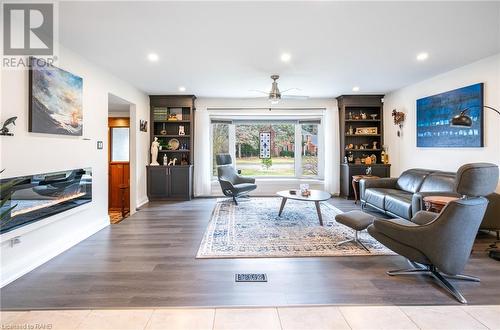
column 160, row 113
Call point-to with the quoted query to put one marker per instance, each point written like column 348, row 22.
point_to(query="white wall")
column 31, row 153
column 403, row 151
column 314, row 107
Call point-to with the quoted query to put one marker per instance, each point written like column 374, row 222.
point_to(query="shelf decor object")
column 173, row 144
column 172, row 124
column 361, row 119
column 434, row 116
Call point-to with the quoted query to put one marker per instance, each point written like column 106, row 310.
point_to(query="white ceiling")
column 225, row 49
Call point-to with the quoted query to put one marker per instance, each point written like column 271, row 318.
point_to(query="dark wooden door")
column 119, row 165
column 119, row 180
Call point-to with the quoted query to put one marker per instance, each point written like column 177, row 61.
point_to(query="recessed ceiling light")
column 182, row 89
column 153, row 57
column 422, row 56
column 355, row 89
column 285, row 57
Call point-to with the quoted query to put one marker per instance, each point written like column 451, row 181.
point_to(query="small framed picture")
column 143, row 125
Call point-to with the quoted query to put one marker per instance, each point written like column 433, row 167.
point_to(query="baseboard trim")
column 142, row 203
column 49, row 252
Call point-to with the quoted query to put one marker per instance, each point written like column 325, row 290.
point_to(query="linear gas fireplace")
column 34, row 197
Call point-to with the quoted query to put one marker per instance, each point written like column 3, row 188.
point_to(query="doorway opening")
column 118, row 158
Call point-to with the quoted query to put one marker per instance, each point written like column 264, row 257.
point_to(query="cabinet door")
column 180, row 182
column 382, row 171
column 158, row 182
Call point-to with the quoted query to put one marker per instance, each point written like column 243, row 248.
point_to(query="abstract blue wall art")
column 434, row 115
column 55, row 105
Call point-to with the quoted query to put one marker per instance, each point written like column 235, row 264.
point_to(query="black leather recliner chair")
column 231, row 183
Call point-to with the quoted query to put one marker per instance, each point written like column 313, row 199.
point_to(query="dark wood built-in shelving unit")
column 172, row 182
column 350, row 106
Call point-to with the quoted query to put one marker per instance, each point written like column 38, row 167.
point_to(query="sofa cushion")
column 399, row 204
column 411, row 180
column 376, row 196
column 439, row 181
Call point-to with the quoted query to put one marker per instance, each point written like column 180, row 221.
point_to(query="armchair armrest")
column 400, row 230
column 417, row 201
column 244, row 179
column 424, row 217
column 226, row 186
column 376, row 183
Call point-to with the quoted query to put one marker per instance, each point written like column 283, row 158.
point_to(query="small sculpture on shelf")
column 369, row 171
column 363, row 115
column 374, row 158
column 184, row 160
column 163, row 130
column 351, row 131
column 181, row 130
column 172, row 162
column 384, row 156
column 165, row 159
column 374, row 145
column 154, row 152
column 350, row 157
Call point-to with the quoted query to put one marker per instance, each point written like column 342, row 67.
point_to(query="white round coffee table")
column 316, row 197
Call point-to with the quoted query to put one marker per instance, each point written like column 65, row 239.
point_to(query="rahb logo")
column 28, row 30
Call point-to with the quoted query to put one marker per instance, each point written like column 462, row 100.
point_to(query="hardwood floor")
column 149, row 261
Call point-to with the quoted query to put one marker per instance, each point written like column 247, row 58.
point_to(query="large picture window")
column 295, row 147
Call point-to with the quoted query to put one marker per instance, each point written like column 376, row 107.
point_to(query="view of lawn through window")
column 284, row 136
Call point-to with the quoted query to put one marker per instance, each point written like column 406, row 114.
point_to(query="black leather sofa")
column 403, row 197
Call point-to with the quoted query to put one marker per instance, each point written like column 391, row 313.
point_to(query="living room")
column 250, row 165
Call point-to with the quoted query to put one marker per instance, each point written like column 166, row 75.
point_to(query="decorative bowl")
column 173, row 144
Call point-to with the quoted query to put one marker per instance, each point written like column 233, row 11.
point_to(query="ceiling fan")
column 275, row 95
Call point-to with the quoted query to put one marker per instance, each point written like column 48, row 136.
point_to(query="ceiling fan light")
column 274, row 100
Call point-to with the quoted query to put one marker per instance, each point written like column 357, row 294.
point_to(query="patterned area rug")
column 253, row 229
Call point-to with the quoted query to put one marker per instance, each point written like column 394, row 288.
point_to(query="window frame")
column 298, row 122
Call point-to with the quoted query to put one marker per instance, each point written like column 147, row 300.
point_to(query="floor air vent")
column 250, row 278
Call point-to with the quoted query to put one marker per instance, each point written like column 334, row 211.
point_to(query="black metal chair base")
column 439, row 277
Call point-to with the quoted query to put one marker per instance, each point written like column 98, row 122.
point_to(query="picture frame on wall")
column 434, row 114
column 143, row 125
column 55, row 100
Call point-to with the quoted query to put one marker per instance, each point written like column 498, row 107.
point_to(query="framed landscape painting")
column 55, row 104
column 434, row 115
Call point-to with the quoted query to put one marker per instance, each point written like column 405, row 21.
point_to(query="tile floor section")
column 286, row 318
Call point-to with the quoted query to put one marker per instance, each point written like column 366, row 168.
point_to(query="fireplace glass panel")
column 35, row 197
